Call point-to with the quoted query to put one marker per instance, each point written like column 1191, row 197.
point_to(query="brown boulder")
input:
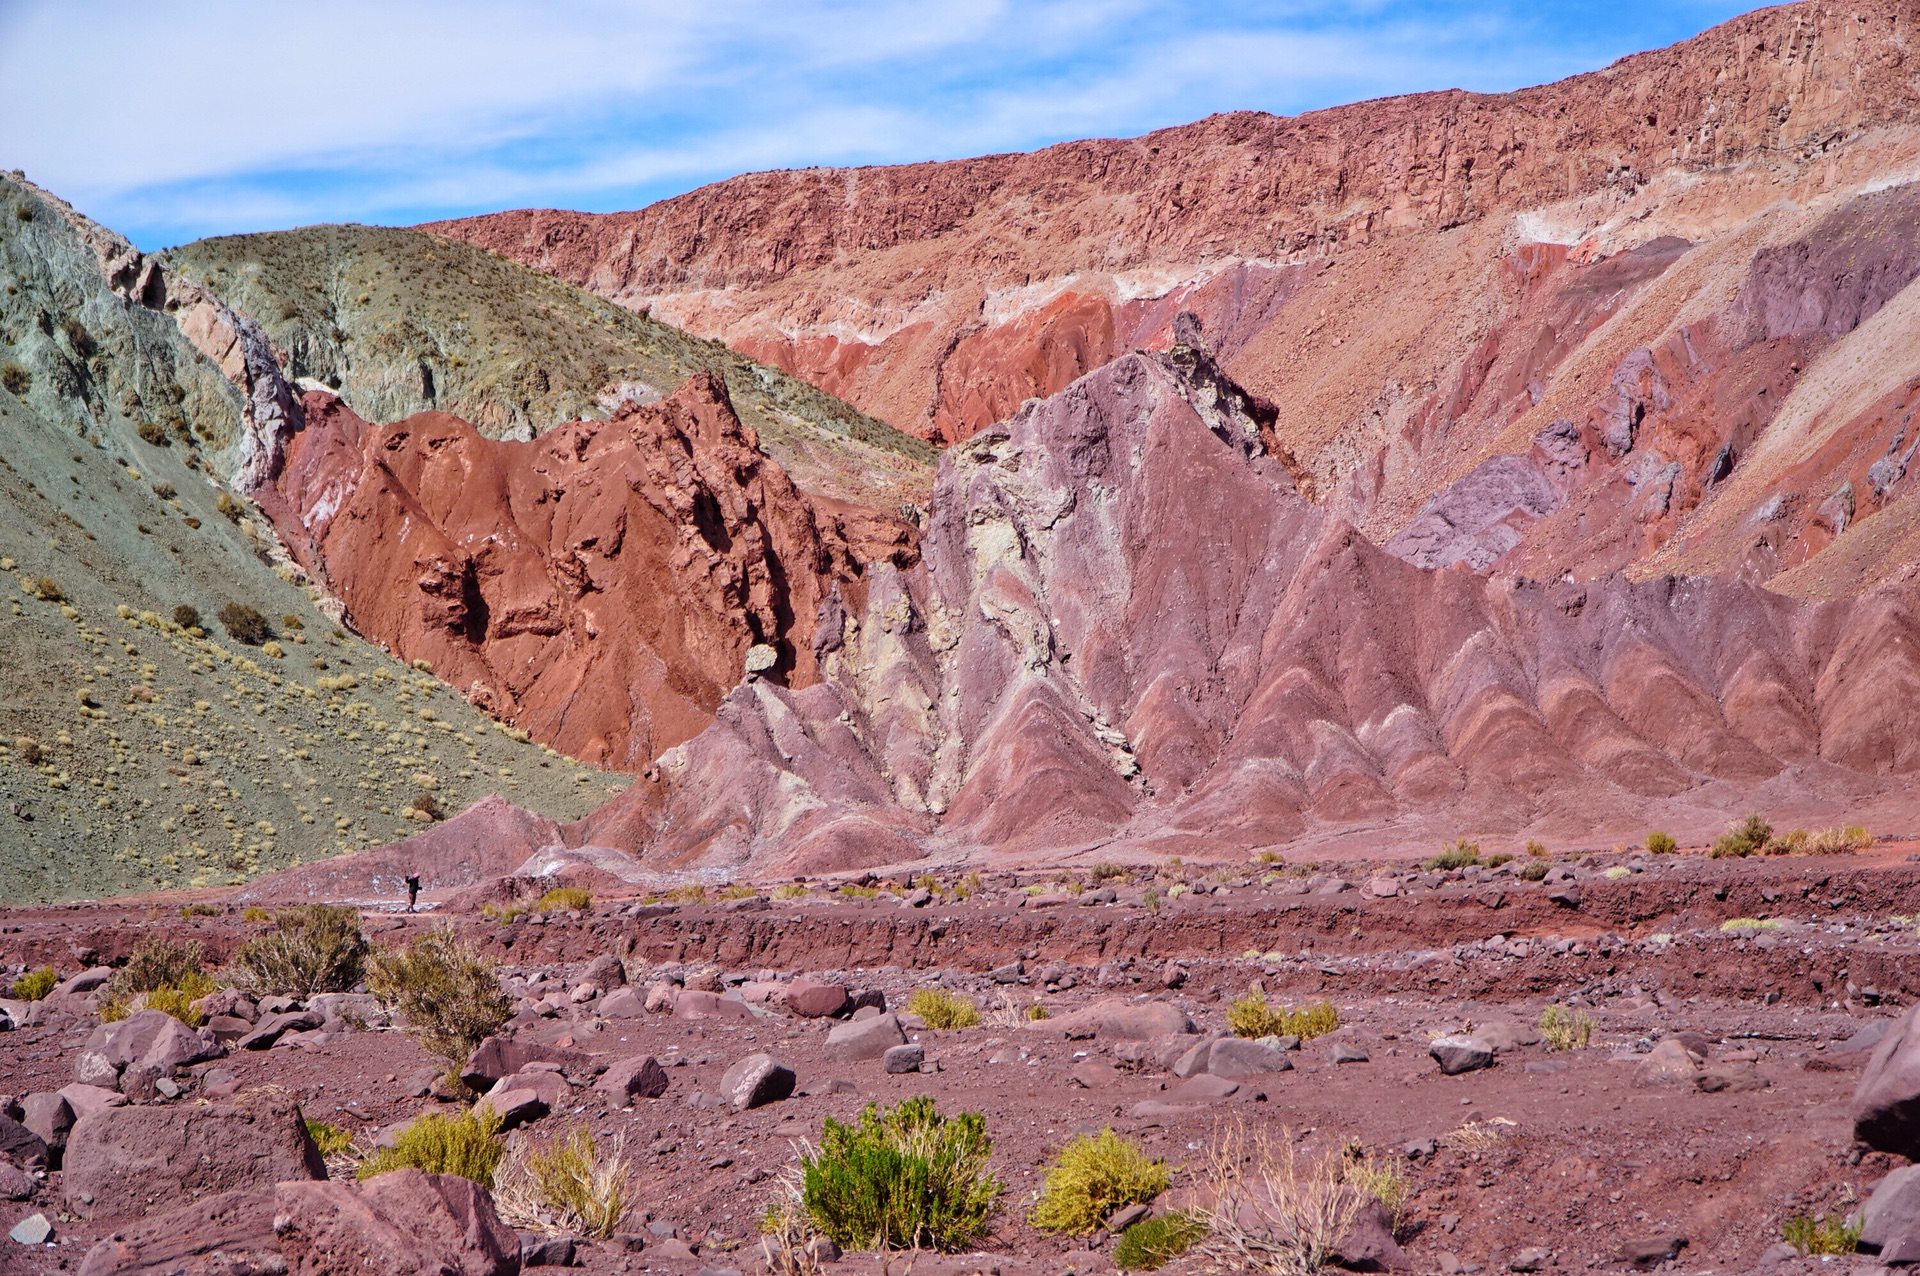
column 498, row 1057
column 630, row 1079
column 129, row 1162
column 815, row 998
column 220, row 1235
column 1886, row 1104
column 402, row 1223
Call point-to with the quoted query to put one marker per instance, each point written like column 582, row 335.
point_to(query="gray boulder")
column 755, row 1081
column 1461, row 1054
column 861, row 1039
column 1886, row 1104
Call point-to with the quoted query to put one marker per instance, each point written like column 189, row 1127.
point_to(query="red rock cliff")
column 602, row 586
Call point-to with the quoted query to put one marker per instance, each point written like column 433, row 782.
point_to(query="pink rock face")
column 643, row 556
column 131, row 1161
column 404, row 1222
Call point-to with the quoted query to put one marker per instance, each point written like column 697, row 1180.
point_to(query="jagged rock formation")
column 1132, row 633
column 1646, row 319
column 398, row 322
column 601, row 587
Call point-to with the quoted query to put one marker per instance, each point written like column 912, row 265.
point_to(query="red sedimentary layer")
column 600, row 586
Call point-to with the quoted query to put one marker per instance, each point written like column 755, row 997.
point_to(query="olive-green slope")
column 135, row 754
column 399, row 320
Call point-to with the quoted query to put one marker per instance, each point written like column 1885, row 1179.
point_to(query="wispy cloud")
column 171, row 119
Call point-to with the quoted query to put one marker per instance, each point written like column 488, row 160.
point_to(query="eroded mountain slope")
column 135, row 753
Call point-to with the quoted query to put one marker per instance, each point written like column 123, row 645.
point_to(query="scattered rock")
column 905, row 1058
column 1668, row 1063
column 498, row 1057
column 1650, row 1251
column 1349, row 1052
column 547, row 1251
column 21, row 1145
column 15, row 1183
column 860, row 1039
column 816, row 999
column 630, row 1079
column 34, row 1229
column 48, row 1115
column 1886, row 1105
column 1530, row 1259
column 755, row 1081
column 1461, row 1054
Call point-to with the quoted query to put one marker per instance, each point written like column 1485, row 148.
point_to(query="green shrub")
column 35, row 984
column 157, row 962
column 1844, row 841
column 1153, row 1242
column 939, row 1008
column 177, row 999
column 311, row 948
column 1660, row 842
column 1462, row 854
column 904, row 1178
column 467, row 1143
column 245, row 624
column 566, row 899
column 1093, row 1176
column 1498, row 858
column 1564, row 1029
column 1252, row 1016
column 448, row 993
column 1742, row 838
column 1828, row 1234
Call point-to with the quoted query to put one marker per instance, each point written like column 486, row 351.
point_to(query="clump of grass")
column 738, row 890
column 155, row 963
column 1154, row 1242
column 903, row 1178
column 1565, row 1029
column 1498, row 858
column 1038, row 1011
column 1462, row 854
column 177, row 999
column 448, row 993
column 254, row 913
column 1531, row 870
column 186, row 616
column 857, row 891
column 570, row 899
column 1828, row 1234
column 311, row 948
column 1271, row 1209
column 467, row 1143
column 789, row 890
column 31, row 751
column 152, row 433
column 48, row 590
column 1253, row 1016
column 1742, row 838
column 330, row 1139
column 692, row 893
column 1660, row 842
column 245, row 624
column 1842, row 841
column 1380, row 1178
column 1104, row 871
column 1749, row 923
column 35, row 984
column 1091, row 1177
column 504, row 913
column 939, row 1008
column 1537, row 850
column 565, row 1184
column 13, row 376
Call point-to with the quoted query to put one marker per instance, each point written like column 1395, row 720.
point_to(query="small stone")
column 904, row 1058
column 1531, row 1259
column 1349, row 1052
column 546, row 1251
column 34, row 1229
column 15, row 1183
column 1650, row 1251
column 630, row 1079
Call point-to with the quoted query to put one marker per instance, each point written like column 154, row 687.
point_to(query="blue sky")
column 170, row 120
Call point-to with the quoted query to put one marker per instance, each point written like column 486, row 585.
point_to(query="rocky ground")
column 1735, row 1005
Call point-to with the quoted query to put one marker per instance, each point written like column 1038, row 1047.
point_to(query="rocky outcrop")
column 601, row 587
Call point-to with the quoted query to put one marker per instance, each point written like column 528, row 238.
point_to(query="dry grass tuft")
column 565, row 1184
column 1272, row 1209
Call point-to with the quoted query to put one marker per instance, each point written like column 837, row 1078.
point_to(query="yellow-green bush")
column 1462, row 854
column 1252, row 1016
column 468, row 1144
column 311, row 948
column 903, row 1178
column 1153, row 1242
column 35, row 984
column 1091, row 1177
column 1660, row 842
column 565, row 1184
column 1828, row 1234
column 1565, row 1029
column 939, row 1008
column 571, row 899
